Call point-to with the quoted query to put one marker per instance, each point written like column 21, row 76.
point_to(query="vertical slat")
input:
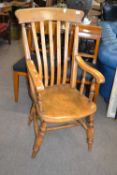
column 82, row 83
column 29, row 37
column 51, row 53
column 25, row 43
column 36, row 48
column 66, row 52
column 44, row 53
column 74, row 63
column 71, row 41
column 58, row 52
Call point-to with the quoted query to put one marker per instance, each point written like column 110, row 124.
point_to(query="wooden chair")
column 68, row 105
column 5, row 26
column 85, row 31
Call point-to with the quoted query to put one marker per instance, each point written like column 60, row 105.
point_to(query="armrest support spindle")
column 95, row 73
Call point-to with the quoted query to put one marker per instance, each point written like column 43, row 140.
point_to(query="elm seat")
column 59, row 95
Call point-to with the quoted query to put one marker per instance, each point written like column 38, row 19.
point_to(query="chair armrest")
column 34, row 75
column 94, row 72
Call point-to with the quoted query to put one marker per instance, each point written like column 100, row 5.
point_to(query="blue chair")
column 107, row 58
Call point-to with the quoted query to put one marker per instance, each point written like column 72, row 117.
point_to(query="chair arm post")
column 34, row 76
column 97, row 87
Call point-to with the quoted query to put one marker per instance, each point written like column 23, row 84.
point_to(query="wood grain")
column 67, row 27
column 59, row 102
column 36, row 48
column 50, row 14
column 44, row 53
column 51, row 53
column 58, row 52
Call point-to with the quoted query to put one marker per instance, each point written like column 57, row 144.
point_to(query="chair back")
column 89, row 40
column 52, row 66
column 92, row 34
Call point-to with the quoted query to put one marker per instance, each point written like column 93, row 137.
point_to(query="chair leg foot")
column 16, row 85
column 39, row 135
column 90, row 132
column 37, row 145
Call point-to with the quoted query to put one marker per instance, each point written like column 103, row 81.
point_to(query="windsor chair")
column 68, row 105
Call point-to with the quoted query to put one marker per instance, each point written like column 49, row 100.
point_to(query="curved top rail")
column 50, row 13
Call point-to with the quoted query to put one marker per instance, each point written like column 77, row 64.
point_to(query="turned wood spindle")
column 82, row 83
column 92, row 90
column 90, row 132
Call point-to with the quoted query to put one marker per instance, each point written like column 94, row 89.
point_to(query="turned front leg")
column 39, row 134
column 90, row 132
